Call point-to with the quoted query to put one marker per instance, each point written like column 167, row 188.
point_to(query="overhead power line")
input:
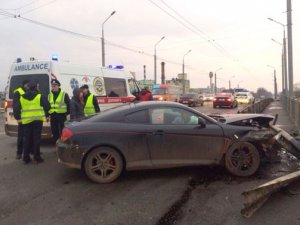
column 191, row 27
column 91, row 38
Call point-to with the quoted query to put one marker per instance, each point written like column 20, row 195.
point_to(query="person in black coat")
column 32, row 130
column 77, row 105
column 60, row 108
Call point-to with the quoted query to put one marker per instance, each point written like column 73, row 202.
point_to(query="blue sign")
column 74, row 83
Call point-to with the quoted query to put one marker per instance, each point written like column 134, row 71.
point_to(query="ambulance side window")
column 115, row 87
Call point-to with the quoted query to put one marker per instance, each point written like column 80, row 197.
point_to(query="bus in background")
column 165, row 92
column 111, row 85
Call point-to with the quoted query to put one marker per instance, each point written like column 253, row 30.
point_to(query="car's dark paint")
column 149, row 146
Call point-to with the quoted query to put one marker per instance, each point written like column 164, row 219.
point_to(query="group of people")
column 31, row 109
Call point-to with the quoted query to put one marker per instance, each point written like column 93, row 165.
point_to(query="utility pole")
column 102, row 39
column 290, row 48
column 144, row 72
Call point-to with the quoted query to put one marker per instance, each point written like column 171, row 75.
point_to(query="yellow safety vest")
column 89, row 108
column 32, row 110
column 59, row 106
column 20, row 90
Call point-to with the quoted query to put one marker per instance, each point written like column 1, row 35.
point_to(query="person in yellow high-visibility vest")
column 16, row 98
column 31, row 111
column 60, row 108
column 91, row 106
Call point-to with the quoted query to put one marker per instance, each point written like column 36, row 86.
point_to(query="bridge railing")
column 292, row 106
column 257, row 107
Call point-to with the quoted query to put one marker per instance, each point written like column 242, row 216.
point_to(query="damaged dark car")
column 153, row 135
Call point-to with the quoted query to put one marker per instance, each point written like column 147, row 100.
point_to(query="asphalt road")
column 49, row 193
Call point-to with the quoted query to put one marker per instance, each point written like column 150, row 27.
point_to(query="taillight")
column 8, row 104
column 66, row 134
column 214, row 99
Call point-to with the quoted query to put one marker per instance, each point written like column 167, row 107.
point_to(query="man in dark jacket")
column 90, row 102
column 60, row 108
column 31, row 111
column 145, row 94
column 16, row 98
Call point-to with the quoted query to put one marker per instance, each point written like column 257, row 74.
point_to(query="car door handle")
column 158, row 132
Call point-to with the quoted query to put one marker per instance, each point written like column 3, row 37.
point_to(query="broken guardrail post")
column 255, row 198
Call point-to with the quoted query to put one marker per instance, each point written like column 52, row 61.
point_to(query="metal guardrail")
column 292, row 106
column 257, row 107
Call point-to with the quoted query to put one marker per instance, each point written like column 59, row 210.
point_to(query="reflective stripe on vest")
column 89, row 108
column 32, row 110
column 59, row 106
column 20, row 90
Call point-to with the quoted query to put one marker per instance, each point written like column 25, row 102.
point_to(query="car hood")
column 244, row 119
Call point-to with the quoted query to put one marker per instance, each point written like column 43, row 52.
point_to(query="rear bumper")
column 12, row 131
column 69, row 155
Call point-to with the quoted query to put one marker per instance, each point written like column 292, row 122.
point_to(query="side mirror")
column 201, row 122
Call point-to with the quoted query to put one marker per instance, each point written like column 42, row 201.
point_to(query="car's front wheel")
column 242, row 159
column 103, row 165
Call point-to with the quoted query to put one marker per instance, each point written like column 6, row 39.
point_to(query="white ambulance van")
column 112, row 85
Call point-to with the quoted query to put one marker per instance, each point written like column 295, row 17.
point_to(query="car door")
column 176, row 141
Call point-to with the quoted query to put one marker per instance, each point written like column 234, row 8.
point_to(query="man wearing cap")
column 16, row 100
column 91, row 106
column 31, row 111
column 60, row 108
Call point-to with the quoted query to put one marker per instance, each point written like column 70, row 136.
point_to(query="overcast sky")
column 232, row 34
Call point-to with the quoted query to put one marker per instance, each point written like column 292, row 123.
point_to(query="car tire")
column 214, row 106
column 103, row 165
column 202, row 104
column 242, row 159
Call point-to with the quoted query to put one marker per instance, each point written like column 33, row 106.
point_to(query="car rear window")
column 42, row 79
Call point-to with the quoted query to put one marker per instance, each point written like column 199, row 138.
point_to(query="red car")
column 224, row 99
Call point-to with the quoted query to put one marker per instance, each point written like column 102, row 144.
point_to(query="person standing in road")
column 31, row 111
column 145, row 95
column 60, row 108
column 91, row 106
column 16, row 99
column 77, row 105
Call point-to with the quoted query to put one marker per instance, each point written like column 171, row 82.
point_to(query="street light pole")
column 230, row 82
column 290, row 47
column 183, row 70
column 102, row 39
column 155, row 67
column 275, row 82
column 282, row 64
column 216, row 79
column 284, row 56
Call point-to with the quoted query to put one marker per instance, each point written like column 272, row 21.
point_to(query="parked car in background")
column 191, row 99
column 244, row 97
column 208, row 97
column 225, row 100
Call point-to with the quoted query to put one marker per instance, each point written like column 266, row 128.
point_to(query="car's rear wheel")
column 242, row 159
column 103, row 165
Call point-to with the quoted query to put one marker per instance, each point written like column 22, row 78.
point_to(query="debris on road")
column 255, row 198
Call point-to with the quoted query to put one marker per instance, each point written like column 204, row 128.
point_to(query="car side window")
column 173, row 116
column 137, row 117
